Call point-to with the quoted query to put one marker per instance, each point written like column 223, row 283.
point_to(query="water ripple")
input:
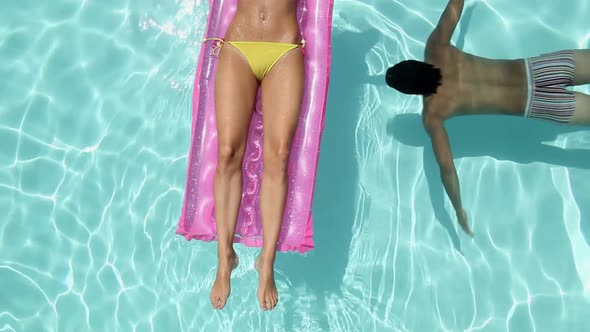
column 95, row 125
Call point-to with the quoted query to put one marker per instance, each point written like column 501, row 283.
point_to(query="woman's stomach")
column 265, row 22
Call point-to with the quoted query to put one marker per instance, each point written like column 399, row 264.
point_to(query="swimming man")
column 455, row 83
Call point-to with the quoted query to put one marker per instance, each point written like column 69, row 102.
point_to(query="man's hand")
column 462, row 219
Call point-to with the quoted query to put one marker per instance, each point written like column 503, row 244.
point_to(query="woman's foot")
column 267, row 290
column 221, row 287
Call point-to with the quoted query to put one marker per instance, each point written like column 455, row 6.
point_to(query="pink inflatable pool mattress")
column 197, row 219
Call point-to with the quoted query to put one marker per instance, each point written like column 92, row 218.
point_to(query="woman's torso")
column 265, row 20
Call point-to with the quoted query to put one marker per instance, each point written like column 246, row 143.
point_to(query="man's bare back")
column 474, row 85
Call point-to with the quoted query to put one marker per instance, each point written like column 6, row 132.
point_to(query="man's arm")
column 447, row 23
column 444, row 157
column 442, row 150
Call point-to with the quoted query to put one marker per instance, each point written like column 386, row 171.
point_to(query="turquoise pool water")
column 94, row 131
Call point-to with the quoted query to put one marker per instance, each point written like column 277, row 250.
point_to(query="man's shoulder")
column 429, row 105
column 432, row 48
column 436, row 40
column 437, row 106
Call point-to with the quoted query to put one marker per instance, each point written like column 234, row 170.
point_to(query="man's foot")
column 462, row 218
column 221, row 287
column 267, row 290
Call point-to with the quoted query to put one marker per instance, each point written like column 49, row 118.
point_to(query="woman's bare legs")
column 282, row 91
column 235, row 94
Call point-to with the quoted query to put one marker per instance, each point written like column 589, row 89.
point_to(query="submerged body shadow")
column 322, row 270
column 501, row 137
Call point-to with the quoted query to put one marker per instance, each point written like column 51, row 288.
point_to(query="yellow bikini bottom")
column 261, row 56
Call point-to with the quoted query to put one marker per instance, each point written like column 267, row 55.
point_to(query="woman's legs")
column 282, row 92
column 235, row 94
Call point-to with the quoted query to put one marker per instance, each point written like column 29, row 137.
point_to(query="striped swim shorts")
column 548, row 75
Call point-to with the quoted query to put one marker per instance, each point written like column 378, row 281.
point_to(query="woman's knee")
column 276, row 160
column 229, row 156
